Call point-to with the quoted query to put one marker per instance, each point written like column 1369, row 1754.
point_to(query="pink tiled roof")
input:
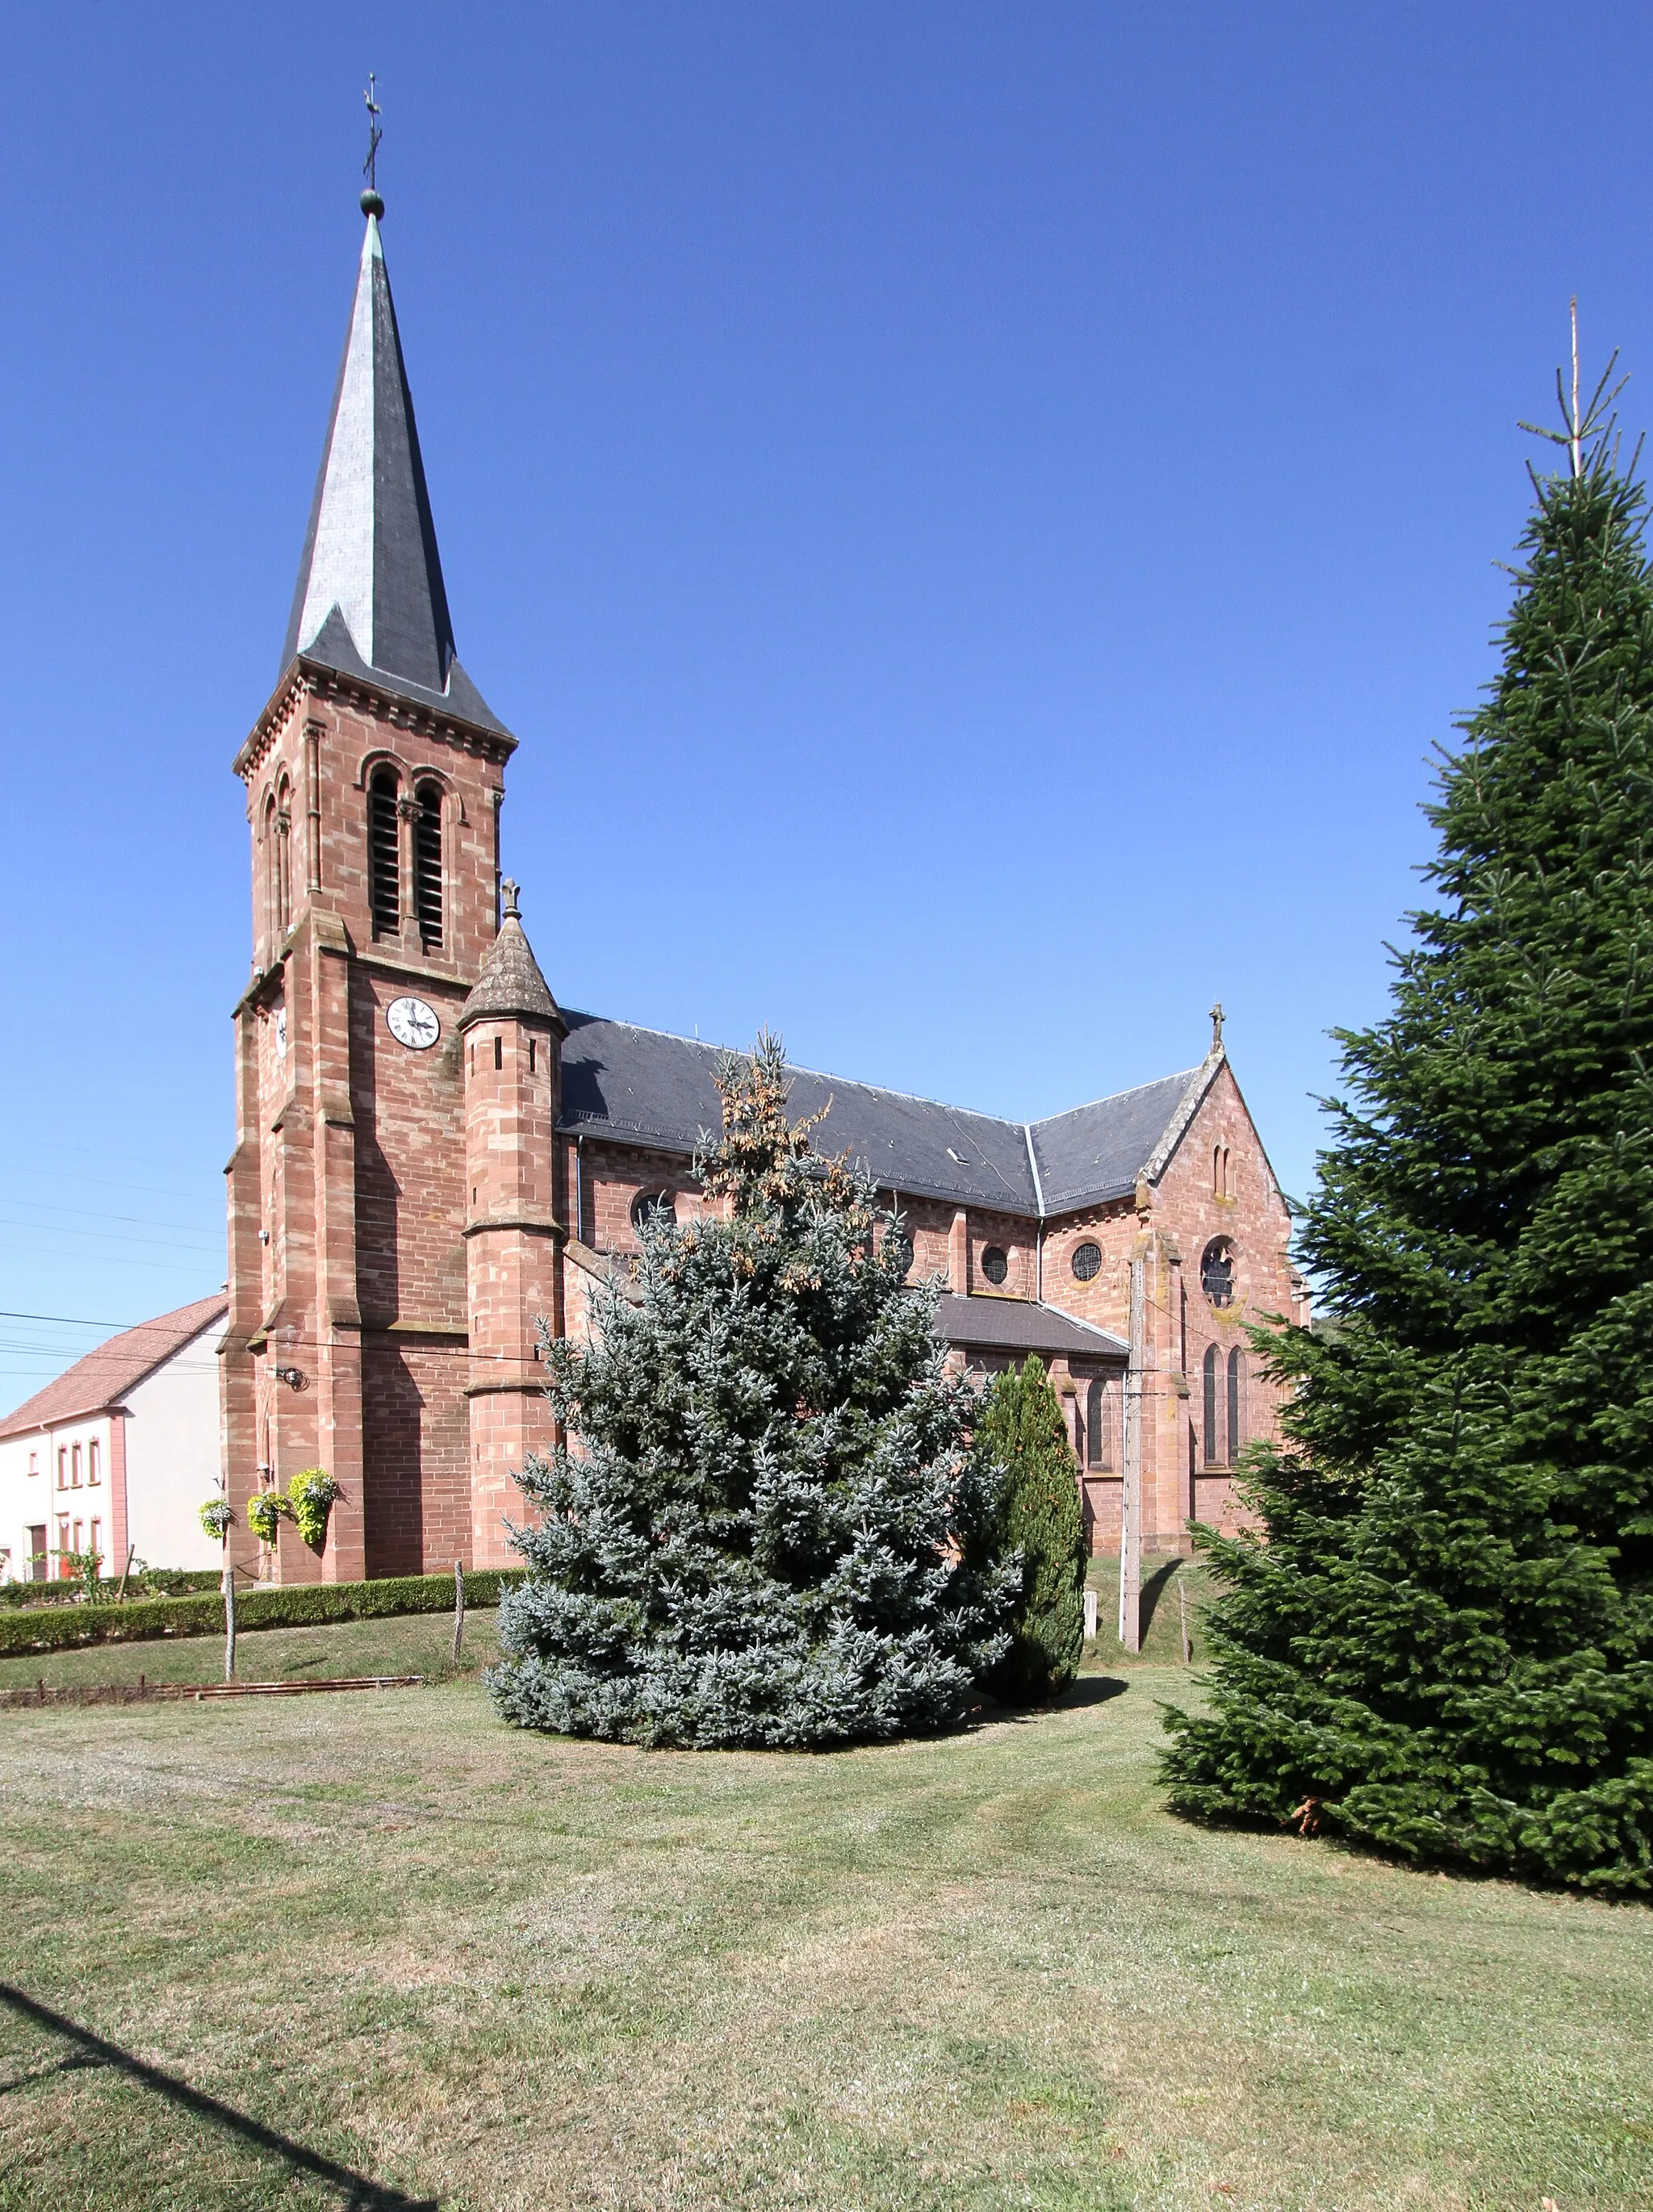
column 102, row 1378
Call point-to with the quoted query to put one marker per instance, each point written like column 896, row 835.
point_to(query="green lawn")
column 411, row 1643
column 493, row 1970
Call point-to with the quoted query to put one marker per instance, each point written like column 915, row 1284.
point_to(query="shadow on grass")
column 359, row 2194
column 1153, row 1590
column 1083, row 1690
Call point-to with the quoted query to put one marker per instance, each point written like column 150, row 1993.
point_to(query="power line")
column 69, row 1321
column 98, row 1214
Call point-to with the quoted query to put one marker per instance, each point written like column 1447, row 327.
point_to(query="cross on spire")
column 370, row 167
column 1216, row 1026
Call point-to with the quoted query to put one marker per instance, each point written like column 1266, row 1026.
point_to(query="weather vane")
column 370, row 167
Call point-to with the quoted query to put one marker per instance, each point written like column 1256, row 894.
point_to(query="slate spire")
column 370, row 597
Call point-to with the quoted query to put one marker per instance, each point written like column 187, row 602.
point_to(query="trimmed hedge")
column 296, row 1605
column 152, row 1581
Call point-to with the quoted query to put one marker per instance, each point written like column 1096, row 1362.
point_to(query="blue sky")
column 977, row 515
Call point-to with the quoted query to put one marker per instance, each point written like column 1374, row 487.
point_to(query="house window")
column 384, row 851
column 79, row 1544
column 96, row 1544
column 74, row 1471
column 994, row 1264
column 1213, row 1441
column 63, row 1467
column 91, row 1471
column 1217, row 1271
column 428, row 864
column 1235, row 1403
column 37, row 1552
column 34, row 1463
column 1099, row 1400
column 658, row 1207
column 65, row 1572
column 1086, row 1263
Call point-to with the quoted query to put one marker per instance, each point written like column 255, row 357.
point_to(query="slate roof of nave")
column 644, row 1087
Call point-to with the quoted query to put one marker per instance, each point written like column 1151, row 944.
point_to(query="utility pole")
column 1130, row 1518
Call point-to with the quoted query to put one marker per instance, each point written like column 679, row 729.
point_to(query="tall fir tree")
column 1442, row 1642
column 767, row 1533
column 1023, row 1442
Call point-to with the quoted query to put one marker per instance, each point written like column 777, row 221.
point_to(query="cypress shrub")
column 1022, row 1442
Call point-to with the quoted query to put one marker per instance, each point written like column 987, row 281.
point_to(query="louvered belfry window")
column 428, row 863
column 383, row 858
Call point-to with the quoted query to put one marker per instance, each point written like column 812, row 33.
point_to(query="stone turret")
column 511, row 1035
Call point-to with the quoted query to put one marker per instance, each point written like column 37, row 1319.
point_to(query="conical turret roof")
column 370, row 599
column 510, row 983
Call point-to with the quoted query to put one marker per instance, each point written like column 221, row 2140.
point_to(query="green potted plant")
column 265, row 1511
column 312, row 1493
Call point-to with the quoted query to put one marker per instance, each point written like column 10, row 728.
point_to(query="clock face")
column 281, row 1032
column 412, row 1023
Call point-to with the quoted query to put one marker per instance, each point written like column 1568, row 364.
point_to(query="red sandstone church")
column 430, row 1154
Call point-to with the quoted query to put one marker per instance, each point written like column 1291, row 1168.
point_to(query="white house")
column 121, row 1451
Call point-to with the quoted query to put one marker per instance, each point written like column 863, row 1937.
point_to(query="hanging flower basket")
column 265, row 1511
column 312, row 1494
column 216, row 1517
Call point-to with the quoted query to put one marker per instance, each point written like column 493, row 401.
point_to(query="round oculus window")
column 1217, row 1271
column 1086, row 1263
column 653, row 1208
column 995, row 1266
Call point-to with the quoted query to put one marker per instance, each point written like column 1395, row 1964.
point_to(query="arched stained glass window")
column 1235, row 1403
column 1213, row 1443
column 1100, row 1428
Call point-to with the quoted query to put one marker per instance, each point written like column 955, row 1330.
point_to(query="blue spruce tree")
column 764, row 1532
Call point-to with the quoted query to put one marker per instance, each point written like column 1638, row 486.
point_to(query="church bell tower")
column 374, row 780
